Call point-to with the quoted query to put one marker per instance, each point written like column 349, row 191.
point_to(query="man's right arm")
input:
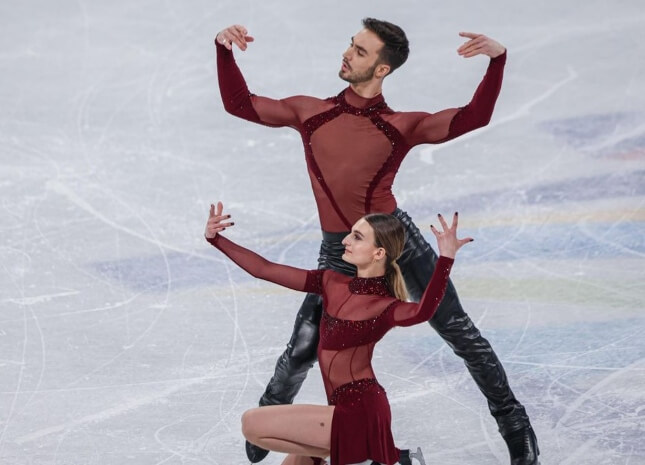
column 239, row 101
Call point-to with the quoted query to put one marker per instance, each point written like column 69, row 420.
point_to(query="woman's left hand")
column 447, row 239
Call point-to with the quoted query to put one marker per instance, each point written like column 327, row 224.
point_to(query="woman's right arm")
column 256, row 265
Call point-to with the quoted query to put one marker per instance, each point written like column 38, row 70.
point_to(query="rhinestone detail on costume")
column 351, row 392
column 375, row 286
column 338, row 333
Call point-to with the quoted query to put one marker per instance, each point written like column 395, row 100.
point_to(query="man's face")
column 361, row 58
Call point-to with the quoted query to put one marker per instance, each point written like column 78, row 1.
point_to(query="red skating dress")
column 357, row 313
column 354, row 145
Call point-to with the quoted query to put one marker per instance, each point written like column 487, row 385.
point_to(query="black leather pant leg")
column 459, row 332
column 294, row 363
column 301, row 352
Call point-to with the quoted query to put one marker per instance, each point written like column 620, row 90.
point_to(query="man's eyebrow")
column 361, row 49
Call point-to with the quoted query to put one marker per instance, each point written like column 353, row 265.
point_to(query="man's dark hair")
column 396, row 47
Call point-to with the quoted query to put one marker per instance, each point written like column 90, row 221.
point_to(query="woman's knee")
column 249, row 424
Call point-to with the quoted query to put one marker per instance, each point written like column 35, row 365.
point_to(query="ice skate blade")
column 418, row 455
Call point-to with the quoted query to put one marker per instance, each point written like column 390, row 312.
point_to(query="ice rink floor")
column 126, row 339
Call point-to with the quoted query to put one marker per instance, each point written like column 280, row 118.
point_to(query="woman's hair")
column 389, row 234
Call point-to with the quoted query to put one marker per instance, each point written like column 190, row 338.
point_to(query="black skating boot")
column 406, row 457
column 255, row 453
column 522, row 446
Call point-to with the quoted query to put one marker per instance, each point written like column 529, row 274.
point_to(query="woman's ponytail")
column 395, row 281
column 389, row 234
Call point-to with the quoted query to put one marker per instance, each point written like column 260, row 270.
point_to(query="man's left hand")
column 479, row 44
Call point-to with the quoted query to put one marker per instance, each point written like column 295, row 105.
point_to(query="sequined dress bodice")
column 355, row 317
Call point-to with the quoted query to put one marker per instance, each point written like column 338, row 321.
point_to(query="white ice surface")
column 126, row 339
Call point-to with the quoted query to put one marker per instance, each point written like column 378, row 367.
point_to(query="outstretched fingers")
column 217, row 221
column 444, row 225
column 236, row 34
column 447, row 239
column 479, row 44
column 473, row 46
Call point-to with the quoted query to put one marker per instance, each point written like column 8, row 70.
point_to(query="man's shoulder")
column 306, row 101
column 306, row 98
column 307, row 106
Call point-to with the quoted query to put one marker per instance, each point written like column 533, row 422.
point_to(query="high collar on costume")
column 373, row 286
column 354, row 100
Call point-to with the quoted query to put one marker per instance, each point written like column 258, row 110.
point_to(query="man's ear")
column 382, row 70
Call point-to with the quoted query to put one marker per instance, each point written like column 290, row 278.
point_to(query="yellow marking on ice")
column 560, row 216
column 614, row 294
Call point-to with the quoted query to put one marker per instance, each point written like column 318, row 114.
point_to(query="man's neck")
column 367, row 89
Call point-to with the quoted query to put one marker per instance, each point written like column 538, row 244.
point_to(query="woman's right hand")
column 216, row 221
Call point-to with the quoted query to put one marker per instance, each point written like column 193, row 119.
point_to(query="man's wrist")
column 500, row 57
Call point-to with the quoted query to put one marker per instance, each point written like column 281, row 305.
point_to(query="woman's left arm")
column 408, row 314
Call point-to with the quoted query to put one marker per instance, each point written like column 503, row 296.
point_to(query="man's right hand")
column 235, row 34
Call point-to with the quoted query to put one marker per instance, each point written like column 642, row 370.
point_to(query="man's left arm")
column 450, row 123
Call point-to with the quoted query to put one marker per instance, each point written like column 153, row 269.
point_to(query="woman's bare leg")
column 292, row 429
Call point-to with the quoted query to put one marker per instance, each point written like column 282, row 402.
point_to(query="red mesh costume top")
column 353, row 145
column 357, row 313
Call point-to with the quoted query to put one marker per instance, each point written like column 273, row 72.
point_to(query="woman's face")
column 360, row 248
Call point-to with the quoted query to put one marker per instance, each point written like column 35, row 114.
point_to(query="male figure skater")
column 354, row 144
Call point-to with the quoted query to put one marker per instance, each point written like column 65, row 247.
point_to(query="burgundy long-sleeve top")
column 353, row 145
column 357, row 313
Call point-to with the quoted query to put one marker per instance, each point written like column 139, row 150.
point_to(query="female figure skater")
column 358, row 311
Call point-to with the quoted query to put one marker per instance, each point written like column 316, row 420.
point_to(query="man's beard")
column 357, row 78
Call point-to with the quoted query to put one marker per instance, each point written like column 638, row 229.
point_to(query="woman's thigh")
column 303, row 424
